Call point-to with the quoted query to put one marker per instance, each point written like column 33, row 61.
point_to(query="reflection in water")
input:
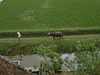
column 34, row 59
column 71, row 56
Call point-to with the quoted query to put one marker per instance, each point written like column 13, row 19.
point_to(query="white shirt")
column 19, row 35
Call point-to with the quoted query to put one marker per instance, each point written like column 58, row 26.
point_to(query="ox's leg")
column 59, row 37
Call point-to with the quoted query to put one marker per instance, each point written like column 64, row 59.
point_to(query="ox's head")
column 49, row 33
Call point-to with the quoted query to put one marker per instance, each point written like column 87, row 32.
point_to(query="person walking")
column 19, row 36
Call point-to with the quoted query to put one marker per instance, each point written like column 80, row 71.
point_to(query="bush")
column 51, row 60
column 87, row 59
column 86, row 46
column 45, row 32
column 65, row 47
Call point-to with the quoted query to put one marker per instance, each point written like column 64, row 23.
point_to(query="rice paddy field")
column 49, row 14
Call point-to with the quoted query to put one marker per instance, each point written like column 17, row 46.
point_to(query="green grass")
column 49, row 14
column 28, row 45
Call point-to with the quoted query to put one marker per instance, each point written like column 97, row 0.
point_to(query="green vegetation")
column 49, row 14
column 47, row 52
column 35, row 66
column 87, row 58
column 38, row 17
column 30, row 33
column 35, row 18
column 11, row 46
column 87, row 62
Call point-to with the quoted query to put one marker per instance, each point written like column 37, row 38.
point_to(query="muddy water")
column 30, row 60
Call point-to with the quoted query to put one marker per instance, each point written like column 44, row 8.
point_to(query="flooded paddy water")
column 27, row 61
column 33, row 59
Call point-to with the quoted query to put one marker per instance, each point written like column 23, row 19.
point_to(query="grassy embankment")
column 11, row 46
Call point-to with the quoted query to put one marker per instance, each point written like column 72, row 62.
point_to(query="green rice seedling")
column 48, row 14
